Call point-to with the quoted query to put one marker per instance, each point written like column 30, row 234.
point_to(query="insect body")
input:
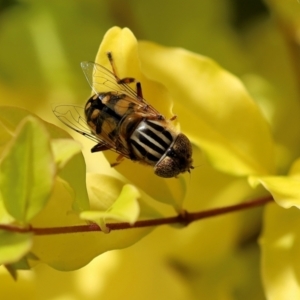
column 121, row 120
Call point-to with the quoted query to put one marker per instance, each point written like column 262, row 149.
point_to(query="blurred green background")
column 41, row 46
column 43, row 42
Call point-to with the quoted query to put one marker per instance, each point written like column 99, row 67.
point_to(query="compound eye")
column 166, row 168
column 171, row 153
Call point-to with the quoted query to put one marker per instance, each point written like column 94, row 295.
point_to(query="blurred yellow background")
column 43, row 42
column 41, row 46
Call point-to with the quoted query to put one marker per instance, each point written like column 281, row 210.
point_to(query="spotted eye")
column 171, row 153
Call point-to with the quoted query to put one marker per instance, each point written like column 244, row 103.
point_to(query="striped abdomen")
column 150, row 141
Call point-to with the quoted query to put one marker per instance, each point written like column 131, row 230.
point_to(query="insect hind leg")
column 125, row 80
column 119, row 159
column 139, row 91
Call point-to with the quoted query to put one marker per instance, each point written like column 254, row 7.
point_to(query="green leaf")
column 124, row 209
column 21, row 264
column 10, row 117
column 58, row 250
column 71, row 166
column 103, row 191
column 74, row 174
column 5, row 217
column 13, row 246
column 64, row 150
column 4, row 137
column 66, row 153
column 27, row 171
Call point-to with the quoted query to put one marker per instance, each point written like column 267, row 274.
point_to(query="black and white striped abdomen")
column 150, row 141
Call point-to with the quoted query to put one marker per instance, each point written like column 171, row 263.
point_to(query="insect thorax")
column 106, row 111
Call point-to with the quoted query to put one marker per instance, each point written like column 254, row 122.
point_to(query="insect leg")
column 173, row 118
column 125, row 80
column 119, row 159
column 100, row 147
column 139, row 91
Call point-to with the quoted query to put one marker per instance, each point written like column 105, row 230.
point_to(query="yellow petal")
column 214, row 109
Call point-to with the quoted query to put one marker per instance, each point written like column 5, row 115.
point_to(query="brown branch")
column 184, row 219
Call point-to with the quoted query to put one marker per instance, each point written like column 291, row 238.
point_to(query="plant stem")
column 184, row 219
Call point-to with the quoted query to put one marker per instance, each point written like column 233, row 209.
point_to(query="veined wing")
column 100, row 77
column 73, row 117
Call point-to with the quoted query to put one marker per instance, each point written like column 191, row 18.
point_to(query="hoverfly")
column 123, row 121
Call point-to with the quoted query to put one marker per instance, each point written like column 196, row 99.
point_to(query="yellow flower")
column 214, row 111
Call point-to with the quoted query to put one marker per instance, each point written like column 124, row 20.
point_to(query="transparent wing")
column 99, row 77
column 73, row 117
column 102, row 80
